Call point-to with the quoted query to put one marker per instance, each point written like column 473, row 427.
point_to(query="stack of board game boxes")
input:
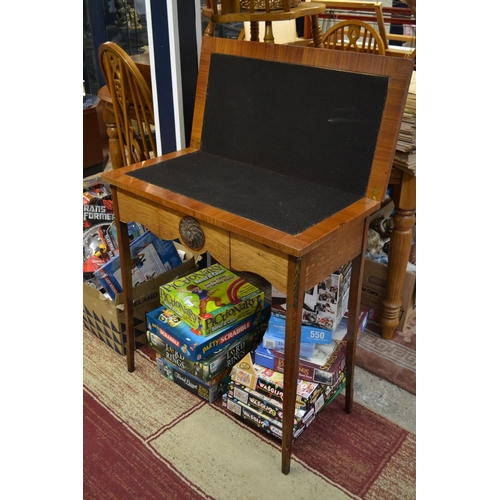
column 256, row 387
column 207, row 322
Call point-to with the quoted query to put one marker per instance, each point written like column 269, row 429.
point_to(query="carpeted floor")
column 146, row 438
column 394, row 360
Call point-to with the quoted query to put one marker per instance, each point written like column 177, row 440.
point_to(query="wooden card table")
column 265, row 192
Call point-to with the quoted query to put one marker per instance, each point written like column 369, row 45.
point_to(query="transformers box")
column 150, row 256
column 164, row 323
column 207, row 368
column 211, row 299
column 210, row 391
column 263, row 422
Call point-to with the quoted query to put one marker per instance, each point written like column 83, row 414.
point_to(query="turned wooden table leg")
column 399, row 252
column 316, row 31
column 295, row 289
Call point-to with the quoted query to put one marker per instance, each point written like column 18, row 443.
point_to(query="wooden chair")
column 132, row 103
column 354, row 35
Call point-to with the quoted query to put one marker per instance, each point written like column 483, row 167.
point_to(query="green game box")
column 211, row 299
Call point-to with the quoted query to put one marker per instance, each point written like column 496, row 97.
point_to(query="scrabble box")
column 211, row 299
column 177, row 334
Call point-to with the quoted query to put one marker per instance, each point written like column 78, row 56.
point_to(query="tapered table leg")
column 295, row 291
column 126, row 272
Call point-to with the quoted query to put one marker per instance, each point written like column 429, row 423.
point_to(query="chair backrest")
column 354, row 35
column 132, row 104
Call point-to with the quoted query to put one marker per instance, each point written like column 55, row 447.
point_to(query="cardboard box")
column 211, row 299
column 325, row 304
column 106, row 318
column 263, row 422
column 207, row 368
column 325, row 366
column 210, row 391
column 182, row 338
column 374, row 290
column 150, row 256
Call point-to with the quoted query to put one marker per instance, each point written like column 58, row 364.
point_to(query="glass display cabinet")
column 125, row 24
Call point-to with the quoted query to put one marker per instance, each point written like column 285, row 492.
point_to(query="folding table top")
column 286, row 136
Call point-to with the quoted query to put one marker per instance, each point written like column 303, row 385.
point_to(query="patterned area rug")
column 394, row 360
column 147, row 438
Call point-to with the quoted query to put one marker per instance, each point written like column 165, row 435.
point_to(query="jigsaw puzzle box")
column 105, row 318
column 325, row 304
column 176, row 333
column 311, row 334
column 210, row 299
column 328, row 361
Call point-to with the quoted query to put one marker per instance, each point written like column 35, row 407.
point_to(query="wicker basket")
column 261, row 4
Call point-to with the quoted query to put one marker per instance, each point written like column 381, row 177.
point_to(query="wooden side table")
column 404, row 196
column 255, row 212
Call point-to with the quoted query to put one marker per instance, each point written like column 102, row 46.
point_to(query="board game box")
column 267, row 406
column 176, row 333
column 210, row 299
column 267, row 424
column 150, row 256
column 210, row 391
column 207, row 368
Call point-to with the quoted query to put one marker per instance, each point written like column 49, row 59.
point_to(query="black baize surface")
column 282, row 144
